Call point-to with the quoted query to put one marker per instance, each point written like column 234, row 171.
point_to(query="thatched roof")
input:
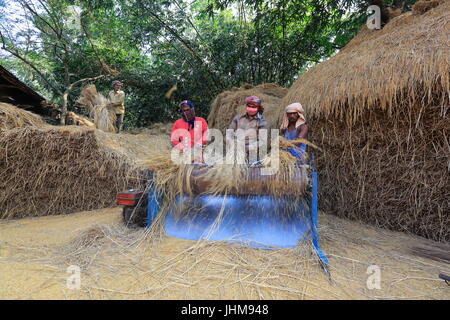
column 406, row 62
column 14, row 91
column 13, row 117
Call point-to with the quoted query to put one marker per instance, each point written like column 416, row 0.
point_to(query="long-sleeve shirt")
column 244, row 122
column 117, row 99
column 184, row 137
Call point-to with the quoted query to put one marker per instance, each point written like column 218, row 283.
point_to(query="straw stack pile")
column 97, row 106
column 59, row 171
column 379, row 110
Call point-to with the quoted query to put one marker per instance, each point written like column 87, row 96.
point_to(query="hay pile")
column 423, row 6
column 230, row 103
column 98, row 107
column 379, row 110
column 59, row 171
column 119, row 263
column 13, row 117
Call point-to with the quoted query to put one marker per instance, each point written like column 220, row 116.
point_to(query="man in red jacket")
column 190, row 130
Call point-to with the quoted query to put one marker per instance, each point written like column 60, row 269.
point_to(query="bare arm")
column 303, row 134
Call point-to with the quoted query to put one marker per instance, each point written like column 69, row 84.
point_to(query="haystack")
column 13, row 117
column 379, row 110
column 60, row 170
column 232, row 102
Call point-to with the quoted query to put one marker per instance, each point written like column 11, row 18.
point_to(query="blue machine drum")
column 258, row 221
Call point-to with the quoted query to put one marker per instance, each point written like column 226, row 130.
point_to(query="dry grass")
column 232, row 102
column 13, row 117
column 423, row 6
column 75, row 119
column 118, row 263
column 389, row 172
column 174, row 179
column 437, row 252
column 382, row 121
column 58, row 171
column 97, row 106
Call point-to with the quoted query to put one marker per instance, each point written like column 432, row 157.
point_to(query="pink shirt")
column 184, row 137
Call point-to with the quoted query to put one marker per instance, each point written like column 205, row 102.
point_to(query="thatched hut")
column 14, row 91
column 232, row 102
column 380, row 111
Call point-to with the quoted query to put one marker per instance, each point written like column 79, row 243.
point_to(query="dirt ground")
column 121, row 263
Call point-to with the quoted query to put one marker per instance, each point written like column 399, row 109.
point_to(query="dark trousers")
column 119, row 122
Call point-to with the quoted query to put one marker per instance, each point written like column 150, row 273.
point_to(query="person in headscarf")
column 251, row 122
column 294, row 127
column 189, row 130
column 116, row 99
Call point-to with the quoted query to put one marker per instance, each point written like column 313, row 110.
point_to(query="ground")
column 121, row 263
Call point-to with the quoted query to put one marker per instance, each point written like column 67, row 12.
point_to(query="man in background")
column 116, row 99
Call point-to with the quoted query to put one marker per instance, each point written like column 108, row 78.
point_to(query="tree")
column 47, row 39
column 204, row 46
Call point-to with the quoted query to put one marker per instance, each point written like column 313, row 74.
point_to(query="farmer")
column 189, row 131
column 116, row 99
column 251, row 122
column 294, row 127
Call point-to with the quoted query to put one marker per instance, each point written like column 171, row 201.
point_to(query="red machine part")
column 129, row 198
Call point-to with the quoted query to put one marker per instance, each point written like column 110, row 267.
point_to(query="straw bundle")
column 231, row 103
column 59, row 171
column 13, row 117
column 98, row 108
column 379, row 110
column 75, row 119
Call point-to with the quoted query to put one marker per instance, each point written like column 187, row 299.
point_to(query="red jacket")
column 182, row 137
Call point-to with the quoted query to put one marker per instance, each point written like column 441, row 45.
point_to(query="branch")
column 174, row 33
column 35, row 14
column 70, row 87
column 29, row 63
column 103, row 65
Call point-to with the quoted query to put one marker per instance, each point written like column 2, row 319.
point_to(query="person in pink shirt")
column 189, row 130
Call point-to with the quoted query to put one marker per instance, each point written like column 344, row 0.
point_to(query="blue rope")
column 153, row 201
column 315, row 217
